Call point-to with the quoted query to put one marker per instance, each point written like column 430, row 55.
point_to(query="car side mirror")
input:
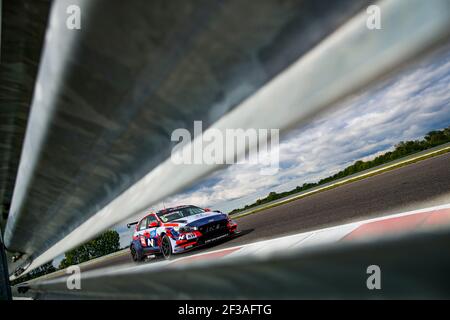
column 207, row 209
column 153, row 224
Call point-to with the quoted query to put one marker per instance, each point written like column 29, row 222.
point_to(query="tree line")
column 104, row 244
column 402, row 149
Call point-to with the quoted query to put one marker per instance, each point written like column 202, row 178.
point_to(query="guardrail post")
column 5, row 288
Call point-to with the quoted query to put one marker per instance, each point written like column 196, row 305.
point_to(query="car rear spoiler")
column 131, row 224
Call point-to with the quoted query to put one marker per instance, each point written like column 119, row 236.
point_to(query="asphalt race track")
column 416, row 186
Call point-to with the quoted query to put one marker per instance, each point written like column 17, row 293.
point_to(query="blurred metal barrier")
column 23, row 29
column 109, row 95
column 98, row 137
column 412, row 267
column 5, row 289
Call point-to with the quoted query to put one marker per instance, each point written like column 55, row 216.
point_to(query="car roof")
column 166, row 210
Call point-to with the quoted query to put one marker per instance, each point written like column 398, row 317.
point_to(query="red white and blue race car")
column 179, row 229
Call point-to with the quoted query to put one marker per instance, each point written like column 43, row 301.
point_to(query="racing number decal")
column 148, row 242
column 151, row 242
column 190, row 236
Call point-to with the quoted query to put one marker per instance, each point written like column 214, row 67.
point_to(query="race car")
column 179, row 229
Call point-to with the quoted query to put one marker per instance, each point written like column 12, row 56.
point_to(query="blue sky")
column 404, row 107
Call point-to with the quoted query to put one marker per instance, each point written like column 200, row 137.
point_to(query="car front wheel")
column 166, row 247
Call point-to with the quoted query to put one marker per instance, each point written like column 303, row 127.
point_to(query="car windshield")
column 178, row 213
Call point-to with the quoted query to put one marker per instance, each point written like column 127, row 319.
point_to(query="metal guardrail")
column 23, row 29
column 104, row 106
column 5, row 289
column 324, row 272
column 332, row 70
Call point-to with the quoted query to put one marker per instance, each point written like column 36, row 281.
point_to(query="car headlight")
column 187, row 229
